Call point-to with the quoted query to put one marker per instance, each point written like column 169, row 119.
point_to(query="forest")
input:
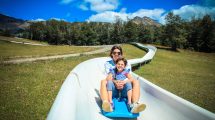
column 197, row 34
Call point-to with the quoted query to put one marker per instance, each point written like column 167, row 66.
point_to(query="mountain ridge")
column 145, row 20
column 14, row 24
column 11, row 23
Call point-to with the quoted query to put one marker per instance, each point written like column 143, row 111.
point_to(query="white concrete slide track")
column 78, row 98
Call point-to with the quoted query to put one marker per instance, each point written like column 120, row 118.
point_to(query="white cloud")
column 154, row 14
column 162, row 19
column 189, row 11
column 110, row 16
column 39, row 20
column 58, row 19
column 107, row 16
column 102, row 5
column 123, row 10
column 83, row 7
column 95, row 5
column 105, row 10
column 185, row 12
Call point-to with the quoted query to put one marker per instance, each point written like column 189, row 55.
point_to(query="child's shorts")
column 115, row 91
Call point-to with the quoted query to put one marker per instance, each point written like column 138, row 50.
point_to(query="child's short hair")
column 123, row 59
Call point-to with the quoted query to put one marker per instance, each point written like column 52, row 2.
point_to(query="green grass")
column 28, row 90
column 190, row 75
column 13, row 51
column 130, row 51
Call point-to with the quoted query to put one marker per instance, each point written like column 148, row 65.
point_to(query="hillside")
column 146, row 21
column 11, row 23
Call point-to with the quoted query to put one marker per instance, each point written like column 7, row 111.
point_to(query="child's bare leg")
column 103, row 90
column 135, row 91
column 106, row 106
column 110, row 96
column 129, row 94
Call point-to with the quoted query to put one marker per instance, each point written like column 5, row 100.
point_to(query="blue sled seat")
column 120, row 110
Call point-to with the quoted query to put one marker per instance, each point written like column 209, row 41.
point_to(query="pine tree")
column 206, row 34
column 117, row 35
column 131, row 32
column 174, row 31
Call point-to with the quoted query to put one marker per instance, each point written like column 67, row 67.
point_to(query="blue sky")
column 104, row 10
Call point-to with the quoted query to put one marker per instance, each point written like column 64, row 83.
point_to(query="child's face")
column 120, row 66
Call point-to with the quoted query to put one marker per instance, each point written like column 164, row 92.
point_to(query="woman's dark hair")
column 123, row 59
column 115, row 47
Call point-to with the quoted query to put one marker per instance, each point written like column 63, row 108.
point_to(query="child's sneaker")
column 129, row 106
column 137, row 107
column 106, row 106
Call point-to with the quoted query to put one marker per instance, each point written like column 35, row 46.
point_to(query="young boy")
column 115, row 53
column 119, row 73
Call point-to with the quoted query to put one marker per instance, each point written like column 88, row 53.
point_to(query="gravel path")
column 28, row 43
column 104, row 49
column 22, row 42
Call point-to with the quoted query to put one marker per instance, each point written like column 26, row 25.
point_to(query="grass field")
column 190, row 75
column 13, row 51
column 28, row 90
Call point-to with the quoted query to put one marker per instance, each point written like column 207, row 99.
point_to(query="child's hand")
column 123, row 82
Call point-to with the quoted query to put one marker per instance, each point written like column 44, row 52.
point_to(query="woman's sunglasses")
column 118, row 53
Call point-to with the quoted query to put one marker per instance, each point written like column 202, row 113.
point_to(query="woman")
column 115, row 53
column 117, row 75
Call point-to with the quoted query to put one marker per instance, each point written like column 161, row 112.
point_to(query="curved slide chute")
column 78, row 98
